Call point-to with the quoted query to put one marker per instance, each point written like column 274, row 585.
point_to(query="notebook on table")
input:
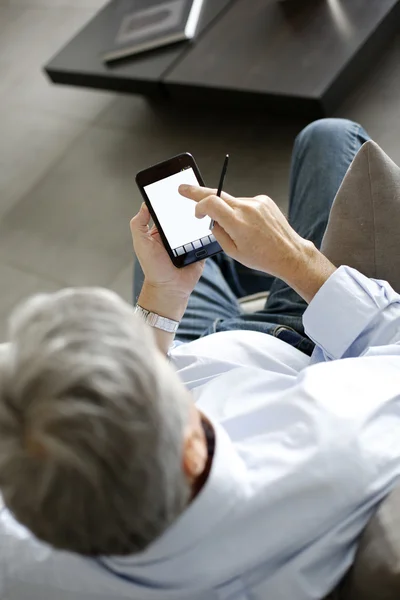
column 143, row 25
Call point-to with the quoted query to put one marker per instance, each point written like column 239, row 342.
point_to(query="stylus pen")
column 221, row 184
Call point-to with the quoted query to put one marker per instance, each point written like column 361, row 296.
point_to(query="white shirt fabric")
column 305, row 450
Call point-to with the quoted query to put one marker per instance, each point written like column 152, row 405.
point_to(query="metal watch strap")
column 157, row 321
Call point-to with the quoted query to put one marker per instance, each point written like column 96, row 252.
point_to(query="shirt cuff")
column 342, row 310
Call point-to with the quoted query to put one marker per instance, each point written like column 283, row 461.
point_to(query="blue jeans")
column 322, row 153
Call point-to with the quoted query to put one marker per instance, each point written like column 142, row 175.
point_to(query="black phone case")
column 161, row 171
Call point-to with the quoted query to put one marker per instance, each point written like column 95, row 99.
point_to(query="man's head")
column 99, row 441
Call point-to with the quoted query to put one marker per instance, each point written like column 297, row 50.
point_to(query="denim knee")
column 320, row 131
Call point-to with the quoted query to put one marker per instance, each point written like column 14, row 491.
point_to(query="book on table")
column 142, row 25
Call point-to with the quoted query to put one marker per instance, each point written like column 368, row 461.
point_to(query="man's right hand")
column 255, row 232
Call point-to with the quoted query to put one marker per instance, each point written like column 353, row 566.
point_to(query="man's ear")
column 194, row 456
column 195, row 452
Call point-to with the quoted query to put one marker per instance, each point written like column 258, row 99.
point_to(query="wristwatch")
column 157, row 321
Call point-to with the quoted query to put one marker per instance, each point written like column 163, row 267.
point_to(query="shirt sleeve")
column 351, row 314
column 175, row 344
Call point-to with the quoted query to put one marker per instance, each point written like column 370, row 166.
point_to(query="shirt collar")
column 215, row 500
column 210, row 437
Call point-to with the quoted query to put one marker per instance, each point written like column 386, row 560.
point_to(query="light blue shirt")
column 305, row 450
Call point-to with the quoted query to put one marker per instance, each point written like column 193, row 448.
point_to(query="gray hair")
column 92, row 422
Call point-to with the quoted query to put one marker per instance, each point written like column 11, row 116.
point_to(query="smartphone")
column 186, row 238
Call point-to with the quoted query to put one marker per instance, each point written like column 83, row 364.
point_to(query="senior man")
column 239, row 467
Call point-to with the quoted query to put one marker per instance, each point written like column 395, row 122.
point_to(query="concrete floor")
column 68, row 157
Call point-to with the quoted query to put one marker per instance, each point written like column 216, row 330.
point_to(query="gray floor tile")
column 133, row 112
column 35, row 91
column 375, row 101
column 16, row 285
column 8, row 15
column 31, row 142
column 92, row 4
column 28, row 38
column 74, row 226
column 37, row 33
column 10, row 77
column 122, row 284
column 11, row 72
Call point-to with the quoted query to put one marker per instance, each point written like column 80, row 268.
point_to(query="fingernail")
column 184, row 188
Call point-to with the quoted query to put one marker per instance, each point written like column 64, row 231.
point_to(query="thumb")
column 140, row 222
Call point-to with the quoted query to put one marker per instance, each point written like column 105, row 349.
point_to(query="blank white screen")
column 175, row 213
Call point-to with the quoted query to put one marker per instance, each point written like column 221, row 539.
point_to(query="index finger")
column 219, row 210
column 198, row 193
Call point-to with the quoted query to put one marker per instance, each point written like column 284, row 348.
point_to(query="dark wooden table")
column 297, row 57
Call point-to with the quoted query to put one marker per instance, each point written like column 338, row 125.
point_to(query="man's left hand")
column 158, row 269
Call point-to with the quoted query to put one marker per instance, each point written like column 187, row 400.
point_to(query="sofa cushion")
column 376, row 571
column 363, row 230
